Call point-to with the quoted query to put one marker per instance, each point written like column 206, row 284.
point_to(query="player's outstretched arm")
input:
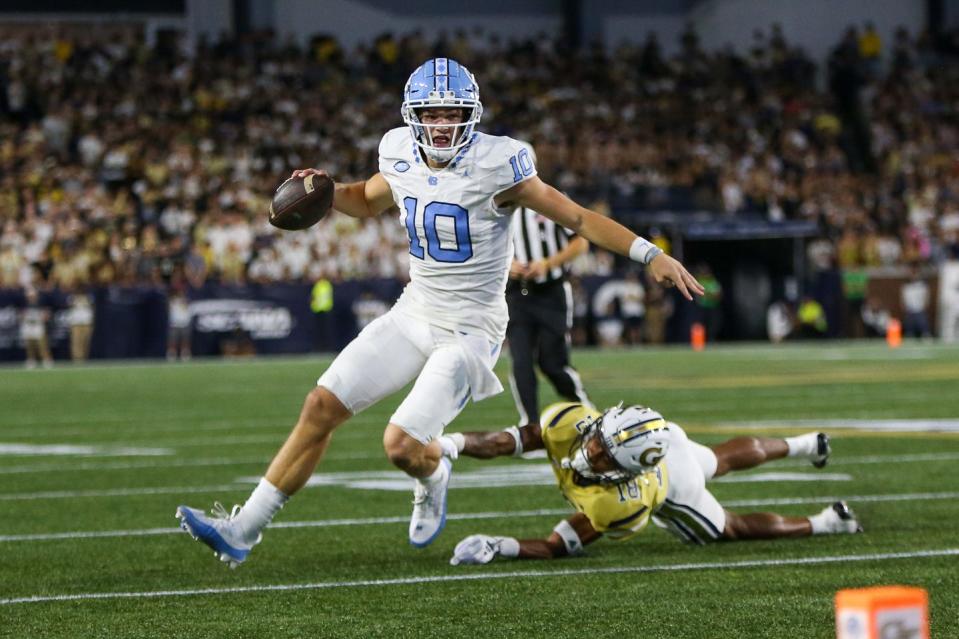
column 357, row 199
column 568, row 538
column 486, row 445
column 539, row 196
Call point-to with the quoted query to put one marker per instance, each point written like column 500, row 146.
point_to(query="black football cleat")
column 822, row 451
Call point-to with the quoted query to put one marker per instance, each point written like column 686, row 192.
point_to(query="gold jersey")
column 617, row 510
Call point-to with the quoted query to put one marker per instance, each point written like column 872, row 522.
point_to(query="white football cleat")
column 219, row 532
column 429, row 508
column 839, row 518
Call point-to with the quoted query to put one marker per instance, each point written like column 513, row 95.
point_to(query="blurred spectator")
column 631, row 303
column 81, row 324
column 811, row 319
column 870, row 46
column 854, row 283
column 609, row 324
column 180, row 323
column 875, row 318
column 710, row 304
column 33, row 331
column 659, row 308
column 779, row 321
column 915, row 303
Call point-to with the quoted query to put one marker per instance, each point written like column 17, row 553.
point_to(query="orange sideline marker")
column 882, row 613
column 894, row 333
column 697, row 336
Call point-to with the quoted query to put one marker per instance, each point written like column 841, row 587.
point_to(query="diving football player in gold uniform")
column 626, row 466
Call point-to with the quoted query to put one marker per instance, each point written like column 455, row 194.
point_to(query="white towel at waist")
column 481, row 356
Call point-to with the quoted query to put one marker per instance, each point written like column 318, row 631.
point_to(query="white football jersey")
column 460, row 242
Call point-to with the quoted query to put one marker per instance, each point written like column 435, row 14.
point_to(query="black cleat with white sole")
column 823, row 449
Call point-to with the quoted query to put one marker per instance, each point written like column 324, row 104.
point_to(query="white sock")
column 258, row 511
column 822, row 523
column 436, row 476
column 508, row 547
column 802, row 445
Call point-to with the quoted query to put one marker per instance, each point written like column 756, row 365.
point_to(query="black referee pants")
column 538, row 332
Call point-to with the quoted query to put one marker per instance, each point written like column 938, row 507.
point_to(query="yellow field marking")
column 873, row 375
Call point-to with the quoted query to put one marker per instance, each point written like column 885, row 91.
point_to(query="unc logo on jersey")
column 402, row 166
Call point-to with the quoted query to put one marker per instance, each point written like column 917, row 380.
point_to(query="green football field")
column 94, row 461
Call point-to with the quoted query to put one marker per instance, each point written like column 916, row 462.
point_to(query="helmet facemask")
column 424, row 134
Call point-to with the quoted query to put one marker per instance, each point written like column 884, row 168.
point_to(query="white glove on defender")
column 476, row 549
column 449, row 445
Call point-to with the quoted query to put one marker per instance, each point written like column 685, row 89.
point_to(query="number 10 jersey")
column 460, row 242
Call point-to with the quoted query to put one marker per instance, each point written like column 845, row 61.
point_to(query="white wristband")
column 508, row 547
column 514, row 431
column 570, row 538
column 643, row 251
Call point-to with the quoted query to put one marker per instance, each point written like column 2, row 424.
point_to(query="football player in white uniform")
column 625, row 467
column 455, row 189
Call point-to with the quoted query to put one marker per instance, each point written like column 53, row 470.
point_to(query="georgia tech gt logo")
column 651, row 456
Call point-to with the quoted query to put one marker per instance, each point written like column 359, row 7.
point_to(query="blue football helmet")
column 441, row 82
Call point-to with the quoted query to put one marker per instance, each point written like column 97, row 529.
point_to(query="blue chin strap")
column 441, row 83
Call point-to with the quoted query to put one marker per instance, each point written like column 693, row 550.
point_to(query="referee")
column 541, row 310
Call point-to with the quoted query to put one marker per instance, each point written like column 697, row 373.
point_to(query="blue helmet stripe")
column 441, row 76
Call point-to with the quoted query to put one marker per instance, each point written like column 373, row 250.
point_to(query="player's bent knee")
column 322, row 411
column 401, row 449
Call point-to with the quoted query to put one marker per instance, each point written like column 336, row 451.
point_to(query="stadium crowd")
column 124, row 162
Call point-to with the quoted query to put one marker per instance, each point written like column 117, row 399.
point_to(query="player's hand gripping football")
column 302, row 173
column 475, row 549
column 669, row 272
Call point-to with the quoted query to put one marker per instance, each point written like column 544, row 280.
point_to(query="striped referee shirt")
column 536, row 237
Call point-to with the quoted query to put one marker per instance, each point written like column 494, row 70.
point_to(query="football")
column 300, row 203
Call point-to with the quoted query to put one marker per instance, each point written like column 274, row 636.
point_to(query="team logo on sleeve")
column 402, row 166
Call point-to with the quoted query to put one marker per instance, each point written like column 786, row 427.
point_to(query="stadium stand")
column 124, row 163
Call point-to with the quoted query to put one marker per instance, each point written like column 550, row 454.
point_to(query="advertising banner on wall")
column 134, row 321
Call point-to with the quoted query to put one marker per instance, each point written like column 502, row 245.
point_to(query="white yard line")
column 877, row 425
column 852, row 499
column 468, row 574
column 172, row 463
column 322, row 523
column 101, row 466
column 19, row 449
column 876, row 459
column 276, row 438
column 333, row 457
column 510, row 514
column 118, row 492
